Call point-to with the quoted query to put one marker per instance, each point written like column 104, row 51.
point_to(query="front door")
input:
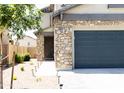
column 49, row 48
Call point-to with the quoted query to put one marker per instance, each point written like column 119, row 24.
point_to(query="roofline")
column 57, row 13
column 30, row 37
column 115, row 5
column 64, row 9
column 42, row 30
column 92, row 17
column 45, row 7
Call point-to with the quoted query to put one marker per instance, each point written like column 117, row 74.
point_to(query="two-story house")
column 83, row 36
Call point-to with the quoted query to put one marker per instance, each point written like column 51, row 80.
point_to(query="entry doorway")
column 49, row 47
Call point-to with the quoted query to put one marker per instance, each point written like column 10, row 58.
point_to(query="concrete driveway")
column 47, row 69
column 92, row 78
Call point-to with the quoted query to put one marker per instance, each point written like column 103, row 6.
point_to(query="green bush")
column 19, row 58
column 22, row 68
column 22, row 57
column 27, row 57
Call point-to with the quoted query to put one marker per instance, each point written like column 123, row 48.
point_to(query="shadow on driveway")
column 97, row 71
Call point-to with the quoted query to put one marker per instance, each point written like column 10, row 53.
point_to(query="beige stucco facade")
column 94, row 8
column 46, row 20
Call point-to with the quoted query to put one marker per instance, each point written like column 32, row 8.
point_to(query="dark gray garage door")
column 99, row 49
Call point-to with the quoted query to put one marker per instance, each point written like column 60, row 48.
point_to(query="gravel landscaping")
column 26, row 80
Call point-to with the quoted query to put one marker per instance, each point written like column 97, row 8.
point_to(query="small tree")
column 18, row 18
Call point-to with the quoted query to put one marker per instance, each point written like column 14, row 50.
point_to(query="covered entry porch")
column 48, row 46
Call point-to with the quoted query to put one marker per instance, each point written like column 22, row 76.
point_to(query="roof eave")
column 64, row 9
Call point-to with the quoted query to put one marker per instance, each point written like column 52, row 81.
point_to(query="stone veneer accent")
column 40, row 46
column 63, row 38
column 63, row 47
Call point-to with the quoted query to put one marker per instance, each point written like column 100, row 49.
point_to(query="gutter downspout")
column 51, row 20
column 61, row 16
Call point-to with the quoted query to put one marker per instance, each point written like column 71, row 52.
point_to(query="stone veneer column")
column 63, row 47
column 40, row 46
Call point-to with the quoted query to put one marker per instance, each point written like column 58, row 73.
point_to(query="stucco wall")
column 46, row 19
column 94, row 8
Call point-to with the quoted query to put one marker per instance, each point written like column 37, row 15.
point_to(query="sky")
column 30, row 32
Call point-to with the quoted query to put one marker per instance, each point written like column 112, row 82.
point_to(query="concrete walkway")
column 92, row 79
column 47, row 69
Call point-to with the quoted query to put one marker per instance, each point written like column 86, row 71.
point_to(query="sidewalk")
column 47, row 69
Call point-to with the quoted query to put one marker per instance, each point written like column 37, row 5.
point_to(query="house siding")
column 94, row 8
column 46, row 20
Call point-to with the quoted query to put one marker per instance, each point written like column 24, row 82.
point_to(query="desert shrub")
column 19, row 58
column 22, row 58
column 27, row 57
column 22, row 68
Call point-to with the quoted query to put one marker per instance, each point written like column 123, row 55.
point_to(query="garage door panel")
column 99, row 63
column 86, row 38
column 99, row 49
column 91, row 51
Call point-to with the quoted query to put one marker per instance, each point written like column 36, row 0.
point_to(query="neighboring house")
column 29, row 44
column 5, row 38
column 5, row 42
column 27, row 41
column 84, row 36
